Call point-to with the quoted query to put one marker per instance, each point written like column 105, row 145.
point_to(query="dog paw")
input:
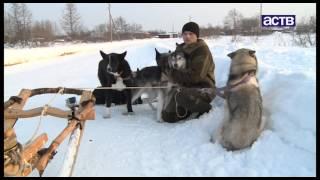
column 159, row 121
column 107, row 116
column 107, row 113
column 212, row 139
column 128, row 113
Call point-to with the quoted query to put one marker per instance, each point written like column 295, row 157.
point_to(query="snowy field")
column 139, row 146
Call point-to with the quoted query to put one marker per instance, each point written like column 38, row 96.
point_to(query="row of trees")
column 304, row 32
column 121, row 30
column 17, row 24
column 236, row 24
column 20, row 28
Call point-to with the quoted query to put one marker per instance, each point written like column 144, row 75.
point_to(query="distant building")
column 164, row 35
column 141, row 35
column 168, row 35
column 39, row 41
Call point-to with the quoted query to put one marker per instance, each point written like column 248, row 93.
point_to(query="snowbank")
column 139, row 146
column 15, row 56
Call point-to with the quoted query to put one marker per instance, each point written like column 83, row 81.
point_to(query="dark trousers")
column 184, row 101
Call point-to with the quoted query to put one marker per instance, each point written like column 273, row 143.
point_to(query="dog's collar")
column 125, row 78
column 244, row 79
column 119, row 74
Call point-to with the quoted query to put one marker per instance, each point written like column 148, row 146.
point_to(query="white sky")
column 166, row 16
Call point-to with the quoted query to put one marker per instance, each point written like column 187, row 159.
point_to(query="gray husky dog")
column 243, row 121
column 153, row 76
column 177, row 60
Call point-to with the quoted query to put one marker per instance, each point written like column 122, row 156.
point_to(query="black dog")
column 117, row 97
column 112, row 69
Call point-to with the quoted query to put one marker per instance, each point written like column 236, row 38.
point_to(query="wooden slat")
column 43, row 162
column 17, row 113
column 55, row 90
column 24, row 94
column 31, row 149
column 14, row 111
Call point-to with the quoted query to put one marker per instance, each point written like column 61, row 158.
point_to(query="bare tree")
column 233, row 21
column 312, row 23
column 70, row 20
column 100, row 31
column 135, row 28
column 84, row 33
column 304, row 32
column 121, row 25
column 43, row 31
column 8, row 27
column 49, row 30
column 121, row 30
column 26, row 22
column 249, row 26
column 126, row 30
column 56, row 29
column 21, row 21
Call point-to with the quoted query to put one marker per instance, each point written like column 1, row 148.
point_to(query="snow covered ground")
column 139, row 146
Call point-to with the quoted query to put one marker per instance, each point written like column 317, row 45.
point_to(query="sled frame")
column 30, row 156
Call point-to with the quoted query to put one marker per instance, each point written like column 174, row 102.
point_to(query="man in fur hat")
column 196, row 82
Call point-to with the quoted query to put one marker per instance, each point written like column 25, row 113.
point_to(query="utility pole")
column 260, row 22
column 110, row 23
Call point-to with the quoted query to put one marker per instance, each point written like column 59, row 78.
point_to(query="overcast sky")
column 165, row 16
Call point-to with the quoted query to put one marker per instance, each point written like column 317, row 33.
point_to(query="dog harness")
column 221, row 91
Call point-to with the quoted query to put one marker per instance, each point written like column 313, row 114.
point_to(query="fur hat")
column 192, row 27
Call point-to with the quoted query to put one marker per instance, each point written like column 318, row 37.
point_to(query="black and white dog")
column 115, row 71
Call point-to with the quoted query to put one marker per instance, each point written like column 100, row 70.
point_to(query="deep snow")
column 139, row 146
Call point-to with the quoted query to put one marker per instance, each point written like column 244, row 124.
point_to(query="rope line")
column 43, row 113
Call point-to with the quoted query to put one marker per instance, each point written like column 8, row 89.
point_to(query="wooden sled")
column 21, row 161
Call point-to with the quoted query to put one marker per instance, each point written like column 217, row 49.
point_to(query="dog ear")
column 123, row 54
column 157, row 54
column 104, row 55
column 231, row 55
column 251, row 52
